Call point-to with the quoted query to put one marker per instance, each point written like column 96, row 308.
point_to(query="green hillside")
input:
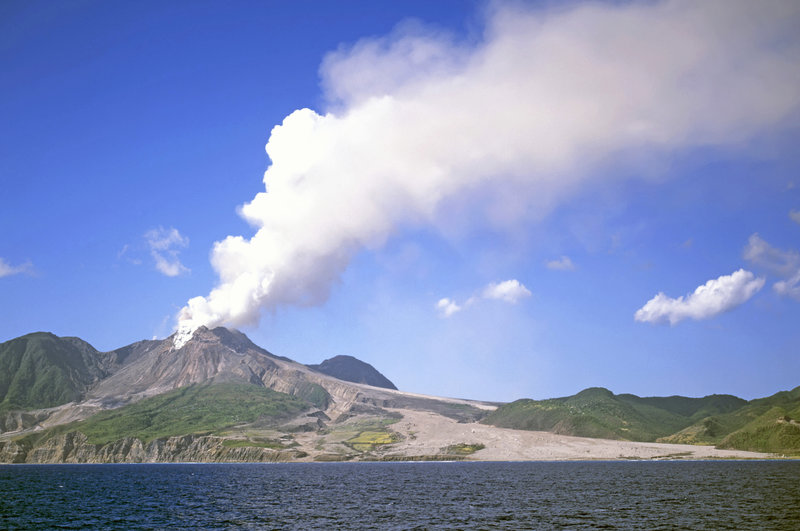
column 693, row 408
column 767, row 434
column 43, row 370
column 200, row 408
column 594, row 412
column 765, row 425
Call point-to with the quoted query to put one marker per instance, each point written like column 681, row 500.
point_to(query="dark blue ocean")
column 566, row 495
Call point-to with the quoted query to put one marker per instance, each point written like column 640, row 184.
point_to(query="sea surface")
column 560, row 495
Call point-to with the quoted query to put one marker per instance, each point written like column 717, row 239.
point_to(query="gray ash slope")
column 351, row 369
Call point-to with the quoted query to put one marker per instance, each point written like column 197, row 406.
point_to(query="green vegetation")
column 694, row 408
column 594, row 412
column 197, row 409
column 765, row 425
column 366, row 441
column 42, row 370
column 364, row 434
column 777, row 436
column 462, row 449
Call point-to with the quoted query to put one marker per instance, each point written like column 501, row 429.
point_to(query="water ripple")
column 404, row 496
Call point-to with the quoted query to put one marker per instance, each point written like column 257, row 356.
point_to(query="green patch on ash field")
column 462, row 448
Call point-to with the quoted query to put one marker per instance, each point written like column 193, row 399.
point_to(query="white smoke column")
column 528, row 112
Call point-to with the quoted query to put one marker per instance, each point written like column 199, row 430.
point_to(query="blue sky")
column 482, row 200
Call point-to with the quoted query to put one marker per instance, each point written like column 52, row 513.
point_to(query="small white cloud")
column 712, row 298
column 165, row 245
column 6, row 269
column 795, row 215
column 447, row 307
column 782, row 263
column 789, row 287
column 562, row 264
column 785, row 264
column 508, row 291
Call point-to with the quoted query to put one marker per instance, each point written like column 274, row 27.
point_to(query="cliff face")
column 73, row 447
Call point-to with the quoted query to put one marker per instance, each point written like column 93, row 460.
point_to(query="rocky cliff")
column 73, row 447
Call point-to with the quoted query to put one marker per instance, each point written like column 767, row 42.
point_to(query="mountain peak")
column 351, row 369
column 595, row 392
column 231, row 338
column 183, row 334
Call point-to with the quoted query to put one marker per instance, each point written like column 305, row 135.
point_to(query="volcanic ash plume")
column 531, row 111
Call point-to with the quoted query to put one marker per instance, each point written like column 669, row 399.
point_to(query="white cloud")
column 447, row 307
column 562, row 264
column 711, row 299
column 529, row 112
column 6, row 269
column 785, row 264
column 759, row 252
column 165, row 245
column 508, row 291
column 789, row 287
column 795, row 215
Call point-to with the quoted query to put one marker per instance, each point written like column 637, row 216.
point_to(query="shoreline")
column 422, row 462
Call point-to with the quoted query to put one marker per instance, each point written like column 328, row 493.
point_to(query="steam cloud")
column 529, row 112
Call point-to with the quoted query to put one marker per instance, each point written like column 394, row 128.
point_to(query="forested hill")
column 766, row 424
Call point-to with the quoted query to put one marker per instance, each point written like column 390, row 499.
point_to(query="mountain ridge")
column 206, row 388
